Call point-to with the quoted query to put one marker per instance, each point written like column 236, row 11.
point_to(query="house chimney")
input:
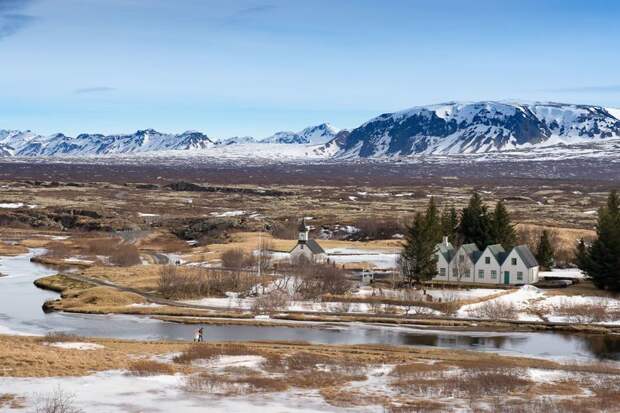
column 445, row 241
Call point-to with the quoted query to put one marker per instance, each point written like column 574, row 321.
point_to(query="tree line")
column 600, row 260
column 474, row 224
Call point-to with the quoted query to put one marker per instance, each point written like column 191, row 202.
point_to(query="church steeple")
column 303, row 231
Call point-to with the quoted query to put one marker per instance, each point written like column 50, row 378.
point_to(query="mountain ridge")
column 440, row 129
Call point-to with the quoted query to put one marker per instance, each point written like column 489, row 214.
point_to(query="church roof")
column 315, row 247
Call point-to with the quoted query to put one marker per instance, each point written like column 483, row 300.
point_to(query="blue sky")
column 254, row 67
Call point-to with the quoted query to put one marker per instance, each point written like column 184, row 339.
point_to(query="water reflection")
column 20, row 310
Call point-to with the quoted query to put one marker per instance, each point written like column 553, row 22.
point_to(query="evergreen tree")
column 544, row 252
column 449, row 224
column 601, row 261
column 581, row 255
column 475, row 225
column 433, row 221
column 502, row 230
column 418, row 260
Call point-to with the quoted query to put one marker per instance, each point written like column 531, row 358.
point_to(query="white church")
column 306, row 247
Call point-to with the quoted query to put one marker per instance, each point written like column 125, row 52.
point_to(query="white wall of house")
column 488, row 267
column 517, row 271
column 462, row 267
column 443, row 268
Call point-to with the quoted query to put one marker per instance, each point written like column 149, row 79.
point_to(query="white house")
column 463, row 263
column 488, row 266
column 494, row 265
column 520, row 266
column 306, row 247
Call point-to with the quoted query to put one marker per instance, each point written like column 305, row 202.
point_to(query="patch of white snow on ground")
column 114, row 391
column 77, row 346
column 547, row 376
column 228, row 214
column 520, row 299
column 248, row 361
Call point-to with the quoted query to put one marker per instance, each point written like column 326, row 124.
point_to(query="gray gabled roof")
column 498, row 252
column 447, row 251
column 472, row 251
column 526, row 255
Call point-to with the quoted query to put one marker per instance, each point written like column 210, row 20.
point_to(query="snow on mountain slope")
column 16, row 143
column 313, row 135
column 479, row 127
column 614, row 112
column 451, row 128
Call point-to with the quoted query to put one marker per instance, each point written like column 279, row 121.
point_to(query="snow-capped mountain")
column 445, row 129
column 313, row 135
column 15, row 143
column 457, row 128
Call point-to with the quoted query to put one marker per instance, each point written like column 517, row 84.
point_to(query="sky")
column 251, row 68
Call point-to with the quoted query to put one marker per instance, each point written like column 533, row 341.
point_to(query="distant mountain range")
column 444, row 129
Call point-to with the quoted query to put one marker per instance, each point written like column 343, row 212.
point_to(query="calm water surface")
column 20, row 311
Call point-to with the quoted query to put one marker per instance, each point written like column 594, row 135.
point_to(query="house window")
column 480, row 274
column 494, row 274
column 467, row 273
column 487, row 260
column 519, row 276
column 442, row 272
column 513, row 261
column 461, row 258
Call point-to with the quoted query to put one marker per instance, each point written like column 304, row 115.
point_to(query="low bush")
column 270, row 302
column 206, row 351
column 495, row 310
column 192, row 282
column 149, row 368
column 57, row 401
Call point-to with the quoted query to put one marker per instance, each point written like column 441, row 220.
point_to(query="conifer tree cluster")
column 474, row 225
column 601, row 259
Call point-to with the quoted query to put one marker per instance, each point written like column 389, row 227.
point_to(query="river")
column 21, row 313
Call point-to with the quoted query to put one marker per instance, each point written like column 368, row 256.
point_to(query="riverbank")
column 288, row 375
column 91, row 296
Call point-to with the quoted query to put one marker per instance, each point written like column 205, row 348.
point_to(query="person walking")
column 200, row 335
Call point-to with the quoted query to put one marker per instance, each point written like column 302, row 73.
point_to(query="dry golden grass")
column 12, row 249
column 150, row 368
column 100, row 297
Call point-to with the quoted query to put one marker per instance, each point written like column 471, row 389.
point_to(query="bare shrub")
column 57, row 401
column 235, row 259
column 191, row 282
column 270, row 302
column 594, row 312
column 58, row 337
column 211, row 384
column 313, row 279
column 57, row 250
column 102, row 246
column 495, row 309
column 373, row 228
column 206, row 351
column 125, row 255
column 149, row 368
